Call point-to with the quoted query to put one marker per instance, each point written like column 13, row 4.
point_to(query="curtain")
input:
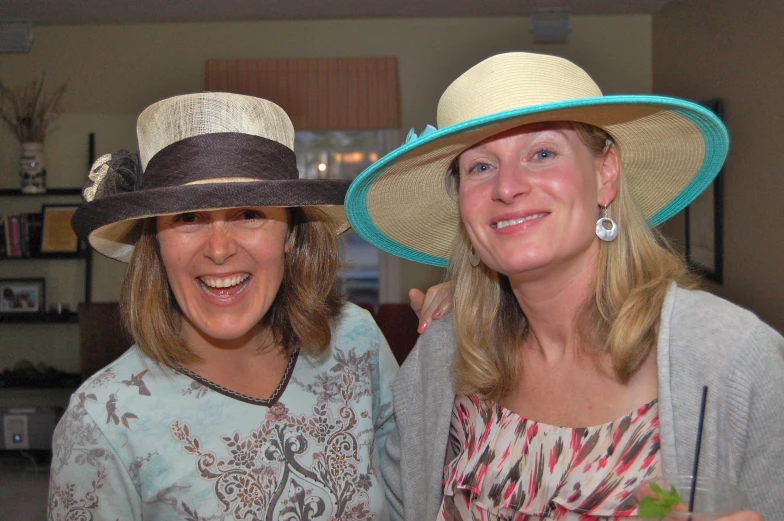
column 318, row 93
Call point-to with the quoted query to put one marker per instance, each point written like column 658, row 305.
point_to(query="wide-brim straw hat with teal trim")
column 670, row 149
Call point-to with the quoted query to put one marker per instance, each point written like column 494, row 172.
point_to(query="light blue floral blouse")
column 142, row 441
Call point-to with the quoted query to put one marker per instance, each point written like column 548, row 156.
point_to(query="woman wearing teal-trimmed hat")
column 573, row 365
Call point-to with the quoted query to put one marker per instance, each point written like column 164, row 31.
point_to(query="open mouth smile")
column 224, row 286
column 511, row 222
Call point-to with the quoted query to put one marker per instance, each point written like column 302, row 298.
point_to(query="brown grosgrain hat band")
column 223, row 155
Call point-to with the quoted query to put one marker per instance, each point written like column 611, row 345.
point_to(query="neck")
column 232, row 353
column 552, row 303
column 252, row 365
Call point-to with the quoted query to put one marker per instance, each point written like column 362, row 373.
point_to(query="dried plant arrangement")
column 28, row 112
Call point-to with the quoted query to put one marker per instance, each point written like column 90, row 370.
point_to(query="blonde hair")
column 308, row 300
column 620, row 318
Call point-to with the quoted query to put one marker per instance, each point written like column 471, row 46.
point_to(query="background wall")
column 116, row 71
column 724, row 49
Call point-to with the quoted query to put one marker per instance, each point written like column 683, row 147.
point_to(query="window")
column 368, row 275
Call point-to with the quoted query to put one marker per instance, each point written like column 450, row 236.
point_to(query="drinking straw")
column 697, row 451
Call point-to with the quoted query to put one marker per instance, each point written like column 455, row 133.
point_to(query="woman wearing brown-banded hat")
column 574, row 362
column 253, row 391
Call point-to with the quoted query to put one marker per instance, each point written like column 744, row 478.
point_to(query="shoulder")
column 702, row 306
column 110, row 403
column 356, row 336
column 132, row 362
column 429, row 365
column 704, row 338
column 437, row 344
column 708, row 322
column 354, row 326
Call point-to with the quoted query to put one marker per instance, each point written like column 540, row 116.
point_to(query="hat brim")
column 670, row 151
column 108, row 224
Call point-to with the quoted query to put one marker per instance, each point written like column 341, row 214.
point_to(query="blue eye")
column 479, row 168
column 544, row 154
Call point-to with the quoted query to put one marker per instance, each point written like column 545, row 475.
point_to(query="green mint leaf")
column 649, row 508
column 662, row 505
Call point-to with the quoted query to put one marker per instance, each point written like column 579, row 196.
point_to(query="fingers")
column 416, row 299
column 431, row 305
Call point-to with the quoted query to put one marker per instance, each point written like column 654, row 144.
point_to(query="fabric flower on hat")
column 97, row 173
column 412, row 135
column 113, row 174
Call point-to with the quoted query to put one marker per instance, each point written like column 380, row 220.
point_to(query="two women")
column 574, row 362
column 253, row 390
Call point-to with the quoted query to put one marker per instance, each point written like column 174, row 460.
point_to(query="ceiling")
column 81, row 12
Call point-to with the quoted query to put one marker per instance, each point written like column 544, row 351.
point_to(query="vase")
column 32, row 168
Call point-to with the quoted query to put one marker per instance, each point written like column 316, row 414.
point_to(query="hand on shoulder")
column 432, row 304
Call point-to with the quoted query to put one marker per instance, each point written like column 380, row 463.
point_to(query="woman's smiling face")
column 529, row 198
column 225, row 268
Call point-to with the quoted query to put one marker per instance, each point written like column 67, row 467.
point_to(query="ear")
column 609, row 168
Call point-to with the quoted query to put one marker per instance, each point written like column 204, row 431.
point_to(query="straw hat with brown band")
column 670, row 149
column 198, row 152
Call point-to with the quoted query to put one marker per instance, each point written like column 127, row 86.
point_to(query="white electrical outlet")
column 15, row 435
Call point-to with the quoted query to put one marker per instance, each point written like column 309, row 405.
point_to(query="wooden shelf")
column 45, row 256
column 81, row 254
column 39, row 318
column 49, row 191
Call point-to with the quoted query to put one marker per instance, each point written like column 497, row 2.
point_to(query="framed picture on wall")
column 57, row 235
column 22, row 296
column 704, row 223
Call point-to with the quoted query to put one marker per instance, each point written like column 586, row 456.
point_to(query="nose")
column 511, row 181
column 220, row 244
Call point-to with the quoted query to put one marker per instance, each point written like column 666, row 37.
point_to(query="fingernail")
column 422, row 327
column 437, row 313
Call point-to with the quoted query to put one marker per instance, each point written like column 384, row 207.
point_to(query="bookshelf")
column 31, row 203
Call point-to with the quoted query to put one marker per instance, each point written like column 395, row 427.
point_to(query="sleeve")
column 412, row 459
column 390, row 473
column 392, row 452
column 759, row 438
column 383, row 412
column 88, row 479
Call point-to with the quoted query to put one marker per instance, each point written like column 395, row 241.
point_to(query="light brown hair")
column 620, row 318
column 308, row 300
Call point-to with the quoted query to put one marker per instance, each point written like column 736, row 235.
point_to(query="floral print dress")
column 508, row 468
column 143, row 441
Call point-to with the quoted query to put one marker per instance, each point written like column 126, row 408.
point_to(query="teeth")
column 510, row 222
column 225, row 282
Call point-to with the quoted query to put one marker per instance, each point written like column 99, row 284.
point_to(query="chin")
column 519, row 266
column 228, row 328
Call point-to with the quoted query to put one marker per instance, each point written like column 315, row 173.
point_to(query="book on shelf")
column 21, row 235
column 35, row 225
column 3, row 235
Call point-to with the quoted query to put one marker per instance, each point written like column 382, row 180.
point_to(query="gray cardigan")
column 703, row 340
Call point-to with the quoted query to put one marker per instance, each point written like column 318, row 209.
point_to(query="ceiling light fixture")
column 15, row 36
column 550, row 25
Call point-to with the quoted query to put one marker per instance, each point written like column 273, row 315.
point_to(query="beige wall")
column 723, row 48
column 115, row 71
